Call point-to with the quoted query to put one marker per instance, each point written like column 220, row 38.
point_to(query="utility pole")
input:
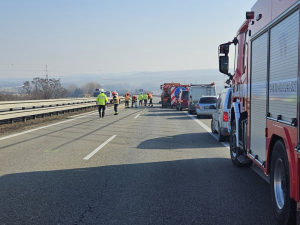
column 46, row 73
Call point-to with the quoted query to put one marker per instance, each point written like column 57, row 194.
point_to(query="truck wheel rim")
column 279, row 183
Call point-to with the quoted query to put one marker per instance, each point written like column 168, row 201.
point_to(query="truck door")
column 258, row 96
column 208, row 91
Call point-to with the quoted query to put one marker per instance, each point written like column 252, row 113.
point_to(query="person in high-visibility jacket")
column 150, row 99
column 141, row 97
column 101, row 101
column 116, row 102
column 134, row 101
column 127, row 99
column 145, row 97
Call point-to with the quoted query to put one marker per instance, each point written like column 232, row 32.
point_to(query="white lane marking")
column 39, row 128
column 97, row 149
column 226, row 144
column 137, row 116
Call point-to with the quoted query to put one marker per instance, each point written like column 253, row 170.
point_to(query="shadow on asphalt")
column 192, row 191
column 181, row 141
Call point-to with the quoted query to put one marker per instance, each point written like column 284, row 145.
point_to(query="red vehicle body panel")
column 183, row 99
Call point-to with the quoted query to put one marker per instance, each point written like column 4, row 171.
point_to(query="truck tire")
column 283, row 206
column 234, row 150
column 221, row 137
column 212, row 127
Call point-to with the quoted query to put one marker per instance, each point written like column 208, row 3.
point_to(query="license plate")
column 206, row 107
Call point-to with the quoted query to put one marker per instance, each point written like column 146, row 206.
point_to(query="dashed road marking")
column 98, row 149
column 137, row 116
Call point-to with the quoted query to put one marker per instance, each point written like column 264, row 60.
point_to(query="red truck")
column 170, row 92
column 264, row 114
column 183, row 100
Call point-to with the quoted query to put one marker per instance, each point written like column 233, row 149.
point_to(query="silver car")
column 219, row 122
column 206, row 106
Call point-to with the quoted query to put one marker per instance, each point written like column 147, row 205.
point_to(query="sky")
column 113, row 36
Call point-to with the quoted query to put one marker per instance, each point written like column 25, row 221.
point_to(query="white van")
column 196, row 91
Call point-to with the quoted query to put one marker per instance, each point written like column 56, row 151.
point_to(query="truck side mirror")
column 223, row 64
column 224, row 49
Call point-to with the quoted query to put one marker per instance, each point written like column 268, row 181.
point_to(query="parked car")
column 219, row 122
column 182, row 102
column 206, row 106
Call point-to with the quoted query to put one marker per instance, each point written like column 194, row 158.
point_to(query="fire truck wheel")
column 213, row 130
column 234, row 152
column 221, row 137
column 284, row 207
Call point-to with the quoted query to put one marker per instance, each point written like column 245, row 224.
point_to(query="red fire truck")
column 264, row 118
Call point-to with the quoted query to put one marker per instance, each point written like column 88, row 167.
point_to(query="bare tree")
column 41, row 88
column 89, row 87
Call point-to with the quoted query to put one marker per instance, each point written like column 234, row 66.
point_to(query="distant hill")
column 151, row 80
column 135, row 80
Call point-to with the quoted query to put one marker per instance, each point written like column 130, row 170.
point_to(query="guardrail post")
column 34, row 117
column 43, row 115
column 24, row 119
column 11, row 109
column 11, row 120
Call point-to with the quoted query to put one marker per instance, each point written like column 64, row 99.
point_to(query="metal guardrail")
column 10, row 110
column 12, row 105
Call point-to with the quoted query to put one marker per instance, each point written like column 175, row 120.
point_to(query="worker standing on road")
column 134, row 101
column 141, row 97
column 145, row 97
column 127, row 99
column 116, row 102
column 101, row 101
column 150, row 99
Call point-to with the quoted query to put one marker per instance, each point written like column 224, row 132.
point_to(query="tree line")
column 41, row 88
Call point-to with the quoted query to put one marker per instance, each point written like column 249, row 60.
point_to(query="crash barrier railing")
column 34, row 108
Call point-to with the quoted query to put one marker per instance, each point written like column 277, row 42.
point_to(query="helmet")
column 101, row 90
column 141, row 92
column 113, row 93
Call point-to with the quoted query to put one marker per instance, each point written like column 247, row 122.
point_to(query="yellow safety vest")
column 116, row 100
column 145, row 96
column 141, row 97
column 127, row 97
column 102, row 99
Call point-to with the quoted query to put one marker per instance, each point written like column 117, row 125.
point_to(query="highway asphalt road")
column 143, row 166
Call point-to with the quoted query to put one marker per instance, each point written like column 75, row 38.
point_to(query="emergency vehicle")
column 264, row 115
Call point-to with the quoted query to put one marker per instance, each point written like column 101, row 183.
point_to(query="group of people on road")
column 102, row 101
column 147, row 96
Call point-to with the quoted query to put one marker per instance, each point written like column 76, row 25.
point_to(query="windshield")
column 185, row 94
column 208, row 100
